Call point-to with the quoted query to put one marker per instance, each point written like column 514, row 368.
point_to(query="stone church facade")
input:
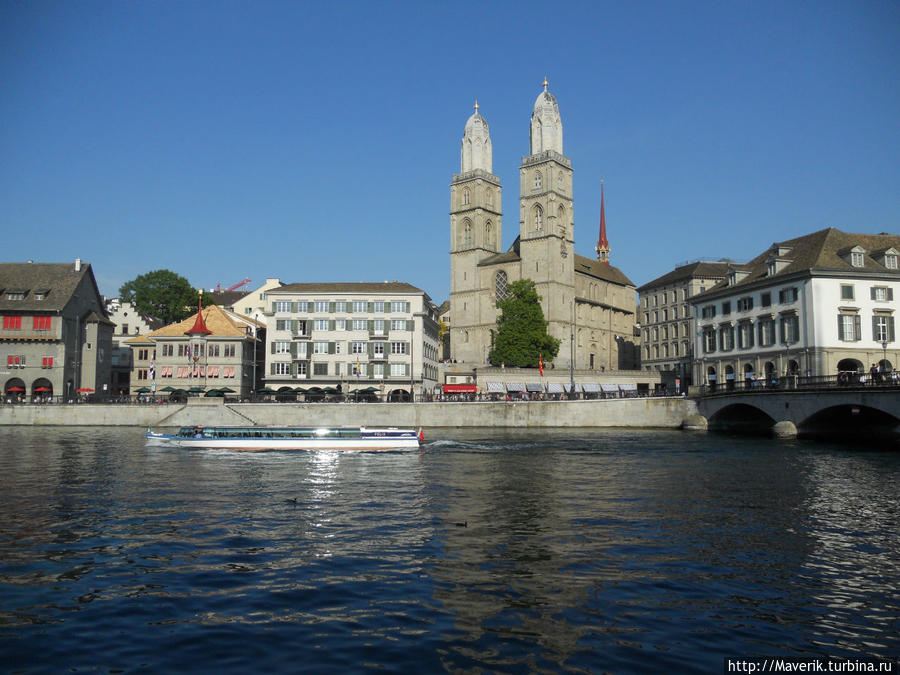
column 589, row 304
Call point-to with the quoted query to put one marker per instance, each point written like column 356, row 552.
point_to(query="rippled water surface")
column 587, row 551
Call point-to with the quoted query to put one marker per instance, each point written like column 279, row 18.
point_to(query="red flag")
column 541, row 364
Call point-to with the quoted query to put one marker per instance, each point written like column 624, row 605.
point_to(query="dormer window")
column 15, row 295
column 734, row 276
column 774, row 265
column 856, row 256
column 889, row 258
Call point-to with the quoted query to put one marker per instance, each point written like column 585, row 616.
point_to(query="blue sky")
column 315, row 142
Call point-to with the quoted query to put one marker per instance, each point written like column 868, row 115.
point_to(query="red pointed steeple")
column 602, row 243
column 199, row 327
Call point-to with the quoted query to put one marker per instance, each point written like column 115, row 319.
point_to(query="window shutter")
column 840, row 333
column 370, row 307
column 875, row 328
column 331, row 349
column 272, row 347
column 331, row 324
column 273, row 306
column 271, row 369
column 293, row 350
column 370, row 349
column 872, row 292
column 890, row 294
column 857, row 327
column 410, row 325
column 331, row 307
column 890, row 328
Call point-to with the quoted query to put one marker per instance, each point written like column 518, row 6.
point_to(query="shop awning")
column 554, row 388
column 533, row 387
column 496, row 388
column 569, row 387
column 460, row 389
column 609, row 388
column 628, row 387
column 514, row 386
column 591, row 388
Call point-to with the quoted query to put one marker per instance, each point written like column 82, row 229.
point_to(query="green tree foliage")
column 161, row 294
column 522, row 336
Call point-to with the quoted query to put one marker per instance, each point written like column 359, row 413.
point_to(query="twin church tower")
column 589, row 304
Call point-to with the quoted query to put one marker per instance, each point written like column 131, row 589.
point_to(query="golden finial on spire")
column 546, row 84
column 476, row 105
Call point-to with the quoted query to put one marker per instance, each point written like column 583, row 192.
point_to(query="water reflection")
column 623, row 551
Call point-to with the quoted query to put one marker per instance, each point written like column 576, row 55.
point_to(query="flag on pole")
column 541, row 364
column 357, row 367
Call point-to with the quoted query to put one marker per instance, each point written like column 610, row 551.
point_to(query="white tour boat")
column 289, row 438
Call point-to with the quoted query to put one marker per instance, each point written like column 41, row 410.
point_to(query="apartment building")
column 378, row 336
column 56, row 340
column 818, row 305
column 215, row 350
column 667, row 322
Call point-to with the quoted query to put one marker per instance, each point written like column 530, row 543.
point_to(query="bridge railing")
column 795, row 382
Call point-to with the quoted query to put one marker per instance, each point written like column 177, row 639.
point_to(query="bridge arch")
column 742, row 418
column 849, row 421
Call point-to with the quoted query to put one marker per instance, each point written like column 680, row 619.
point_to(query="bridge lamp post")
column 884, row 344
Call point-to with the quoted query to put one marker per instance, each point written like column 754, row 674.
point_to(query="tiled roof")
column 695, row 270
column 600, row 270
column 58, row 280
column 220, row 322
column 819, row 252
column 348, row 287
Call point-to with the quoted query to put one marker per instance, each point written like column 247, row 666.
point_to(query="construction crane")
column 232, row 288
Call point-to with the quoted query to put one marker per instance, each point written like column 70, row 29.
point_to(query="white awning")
column 569, row 387
column 515, row 386
column 609, row 388
column 628, row 387
column 495, row 388
column 533, row 386
column 591, row 388
column 554, row 388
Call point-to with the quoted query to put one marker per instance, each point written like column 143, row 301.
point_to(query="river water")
column 488, row 551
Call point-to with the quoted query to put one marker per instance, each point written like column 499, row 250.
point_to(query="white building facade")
column 349, row 336
column 814, row 306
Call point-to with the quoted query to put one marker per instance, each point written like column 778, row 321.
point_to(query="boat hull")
column 262, row 439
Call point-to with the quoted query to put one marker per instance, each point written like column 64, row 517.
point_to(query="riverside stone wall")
column 631, row 412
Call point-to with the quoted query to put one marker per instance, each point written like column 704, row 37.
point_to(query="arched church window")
column 538, row 180
column 538, row 217
column 488, row 234
column 501, row 286
column 489, row 197
column 466, row 196
column 467, row 232
column 561, row 218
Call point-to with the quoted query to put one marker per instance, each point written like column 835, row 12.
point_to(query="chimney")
column 77, row 264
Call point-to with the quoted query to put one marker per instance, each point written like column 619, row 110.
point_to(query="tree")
column 522, row 337
column 161, row 294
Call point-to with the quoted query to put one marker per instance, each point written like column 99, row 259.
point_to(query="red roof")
column 199, row 327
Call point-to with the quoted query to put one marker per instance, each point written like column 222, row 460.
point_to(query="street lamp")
column 884, row 344
column 255, row 324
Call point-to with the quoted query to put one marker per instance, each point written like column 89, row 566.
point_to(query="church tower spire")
column 602, row 243
column 475, row 234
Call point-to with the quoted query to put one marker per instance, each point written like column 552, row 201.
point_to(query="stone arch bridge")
column 861, row 412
